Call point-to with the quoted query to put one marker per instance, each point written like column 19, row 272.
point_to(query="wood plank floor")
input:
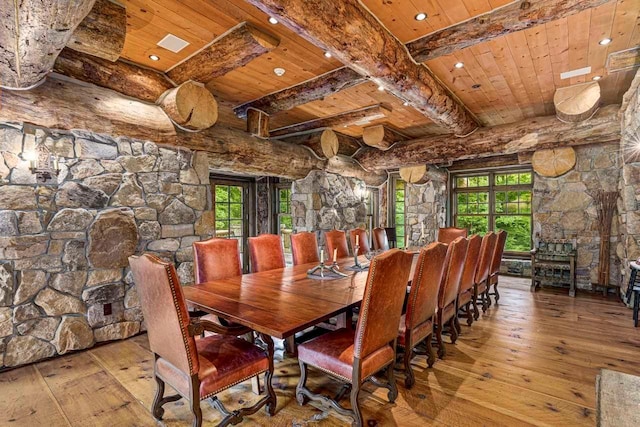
column 532, row 360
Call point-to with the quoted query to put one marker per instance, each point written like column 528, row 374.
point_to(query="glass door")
column 231, row 202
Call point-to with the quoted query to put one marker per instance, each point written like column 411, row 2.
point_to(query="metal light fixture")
column 41, row 162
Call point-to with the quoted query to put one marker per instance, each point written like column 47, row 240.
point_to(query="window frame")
column 372, row 200
column 391, row 210
column 492, row 189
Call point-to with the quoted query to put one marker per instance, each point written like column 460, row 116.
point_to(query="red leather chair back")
column 382, row 302
column 423, row 299
column 486, row 252
column 216, row 259
column 471, row 263
column 496, row 259
column 380, row 240
column 266, row 253
column 304, row 248
column 165, row 312
column 449, row 234
column 363, row 240
column 336, row 239
column 453, row 272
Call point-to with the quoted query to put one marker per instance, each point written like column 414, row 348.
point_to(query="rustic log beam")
column 123, row 77
column 514, row 17
column 366, row 114
column 346, row 166
column 308, row 91
column 233, row 49
column 358, row 39
column 345, row 145
column 527, row 135
column 190, row 106
column 415, row 174
column 578, row 102
column 381, row 137
column 257, row 123
column 102, row 32
column 32, row 34
column 65, row 104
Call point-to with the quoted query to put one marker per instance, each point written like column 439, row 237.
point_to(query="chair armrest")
column 198, row 326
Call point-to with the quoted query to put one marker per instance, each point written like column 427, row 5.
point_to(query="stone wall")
column 629, row 202
column 64, row 277
column 324, row 201
column 426, row 204
column 563, row 207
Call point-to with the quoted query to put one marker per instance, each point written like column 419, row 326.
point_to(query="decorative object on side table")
column 553, row 262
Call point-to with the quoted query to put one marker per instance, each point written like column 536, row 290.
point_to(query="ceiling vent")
column 173, row 43
column 575, row 73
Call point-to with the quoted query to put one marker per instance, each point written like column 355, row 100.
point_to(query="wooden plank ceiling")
column 517, row 74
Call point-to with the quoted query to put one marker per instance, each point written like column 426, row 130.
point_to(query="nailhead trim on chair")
column 417, row 285
column 365, row 312
column 232, row 384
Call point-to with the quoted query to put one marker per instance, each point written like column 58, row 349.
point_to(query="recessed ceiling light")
column 421, row 16
column 476, row 86
column 381, row 88
column 327, row 54
column 154, row 57
column 279, row 71
column 596, row 78
column 459, row 64
column 405, row 103
column 605, row 42
column 273, row 20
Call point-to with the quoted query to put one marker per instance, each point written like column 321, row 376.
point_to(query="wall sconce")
column 41, row 162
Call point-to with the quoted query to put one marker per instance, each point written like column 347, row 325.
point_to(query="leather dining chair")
column 266, row 253
column 380, row 240
column 304, row 248
column 363, row 241
column 482, row 272
column 416, row 325
column 448, row 294
column 336, row 239
column 449, row 234
column 353, row 356
column 216, row 259
column 466, row 293
column 494, row 271
column 197, row 368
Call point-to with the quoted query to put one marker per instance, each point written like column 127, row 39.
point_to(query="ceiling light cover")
column 381, row 88
column 327, row 54
column 596, row 78
column 273, row 20
column 421, row 16
column 154, row 57
column 459, row 64
column 575, row 73
column 279, row 71
column 173, row 43
column 605, row 41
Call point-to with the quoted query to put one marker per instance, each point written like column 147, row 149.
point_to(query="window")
column 398, row 211
column 284, row 218
column 230, row 201
column 495, row 200
column 372, row 200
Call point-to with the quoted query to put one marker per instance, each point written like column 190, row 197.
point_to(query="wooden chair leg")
column 357, row 413
column 454, row 330
column 431, row 357
column 441, row 350
column 409, row 377
column 156, row 408
column 496, row 294
column 302, row 384
column 392, row 395
column 474, row 301
column 468, row 313
column 456, row 325
column 636, row 308
column 195, row 408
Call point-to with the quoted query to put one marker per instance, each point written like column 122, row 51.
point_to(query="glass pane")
column 235, row 211
column 222, row 193
column 399, row 219
column 473, row 181
column 236, row 228
column 286, row 222
column 483, row 208
column 501, row 197
column 512, row 208
column 462, row 198
column 501, row 179
column 475, row 224
column 525, row 178
column 400, row 208
column 518, row 230
column 472, row 209
column 512, row 196
column 500, row 207
column 222, row 211
column 462, row 209
column 512, row 179
column 461, row 182
column 483, row 197
column 235, row 194
column 483, row 181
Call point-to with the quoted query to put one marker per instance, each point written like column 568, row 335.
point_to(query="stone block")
column 189, row 176
column 100, row 277
column 149, row 181
column 6, row 284
column 150, row 148
column 74, row 333
column 117, row 331
column 29, row 222
column 179, row 230
column 131, row 298
column 45, row 328
column 145, row 214
column 17, row 197
column 25, row 312
column 55, row 303
column 103, row 294
column 108, row 183
column 169, row 161
column 185, row 273
column 113, row 237
column 68, row 235
column 112, row 166
column 30, row 282
column 136, row 164
column 177, row 213
column 22, row 175
column 11, row 140
column 74, row 256
column 70, row 220
column 26, row 349
column 205, row 225
column 8, row 223
column 149, row 230
column 87, row 149
column 124, row 146
column 6, row 325
column 158, row 201
column 86, row 168
column 129, row 193
column 50, row 263
column 71, row 282
column 168, row 245
column 76, row 195
column 200, row 162
column 172, row 188
column 97, row 318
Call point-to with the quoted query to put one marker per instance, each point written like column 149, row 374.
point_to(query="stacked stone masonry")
column 64, row 278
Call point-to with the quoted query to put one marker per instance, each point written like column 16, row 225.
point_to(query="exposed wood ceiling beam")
column 128, row 79
column 33, row 32
column 514, row 17
column 305, row 92
column 366, row 114
column 528, row 135
column 233, row 49
column 381, row 136
column 102, row 32
column 62, row 103
column 356, row 38
column 347, row 146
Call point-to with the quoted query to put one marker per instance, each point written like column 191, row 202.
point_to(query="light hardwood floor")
column 532, row 360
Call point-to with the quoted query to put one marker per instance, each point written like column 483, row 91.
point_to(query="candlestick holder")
column 356, row 264
column 333, row 268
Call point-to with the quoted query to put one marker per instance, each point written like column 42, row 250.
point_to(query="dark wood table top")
column 280, row 302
